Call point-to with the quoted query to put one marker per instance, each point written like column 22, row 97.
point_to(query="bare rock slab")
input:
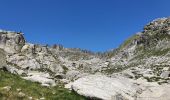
column 102, row 87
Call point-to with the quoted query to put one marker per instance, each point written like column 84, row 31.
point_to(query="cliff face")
column 142, row 59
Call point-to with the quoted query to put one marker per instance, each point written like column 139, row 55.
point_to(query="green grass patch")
column 31, row 89
column 129, row 41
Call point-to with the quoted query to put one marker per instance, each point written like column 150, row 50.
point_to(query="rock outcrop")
column 102, row 87
column 11, row 42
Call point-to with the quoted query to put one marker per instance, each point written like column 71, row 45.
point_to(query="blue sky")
column 96, row 25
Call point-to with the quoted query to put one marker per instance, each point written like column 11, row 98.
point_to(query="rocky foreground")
column 138, row 70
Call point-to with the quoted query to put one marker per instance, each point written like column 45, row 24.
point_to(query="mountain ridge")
column 141, row 60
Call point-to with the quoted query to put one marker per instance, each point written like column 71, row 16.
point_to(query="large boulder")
column 11, row 42
column 43, row 78
column 102, row 87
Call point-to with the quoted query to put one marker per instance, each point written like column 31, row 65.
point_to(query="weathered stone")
column 165, row 74
column 21, row 94
column 102, row 87
column 71, row 75
column 7, row 88
column 43, row 78
column 11, row 42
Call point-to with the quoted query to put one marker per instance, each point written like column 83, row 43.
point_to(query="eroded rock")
column 11, row 42
column 43, row 78
column 102, row 87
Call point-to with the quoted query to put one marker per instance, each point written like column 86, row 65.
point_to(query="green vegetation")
column 113, row 69
column 109, row 54
column 160, row 52
column 146, row 44
column 76, row 55
column 129, row 41
column 31, row 89
column 157, row 79
column 126, row 43
column 149, row 53
column 45, row 70
column 153, row 79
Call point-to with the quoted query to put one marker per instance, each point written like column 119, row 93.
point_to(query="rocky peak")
column 154, row 32
column 161, row 23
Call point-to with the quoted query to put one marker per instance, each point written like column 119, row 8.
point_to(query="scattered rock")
column 30, row 98
column 7, row 88
column 42, row 98
column 165, row 74
column 18, row 90
column 21, row 94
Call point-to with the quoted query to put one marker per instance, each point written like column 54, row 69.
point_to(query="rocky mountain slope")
column 137, row 70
